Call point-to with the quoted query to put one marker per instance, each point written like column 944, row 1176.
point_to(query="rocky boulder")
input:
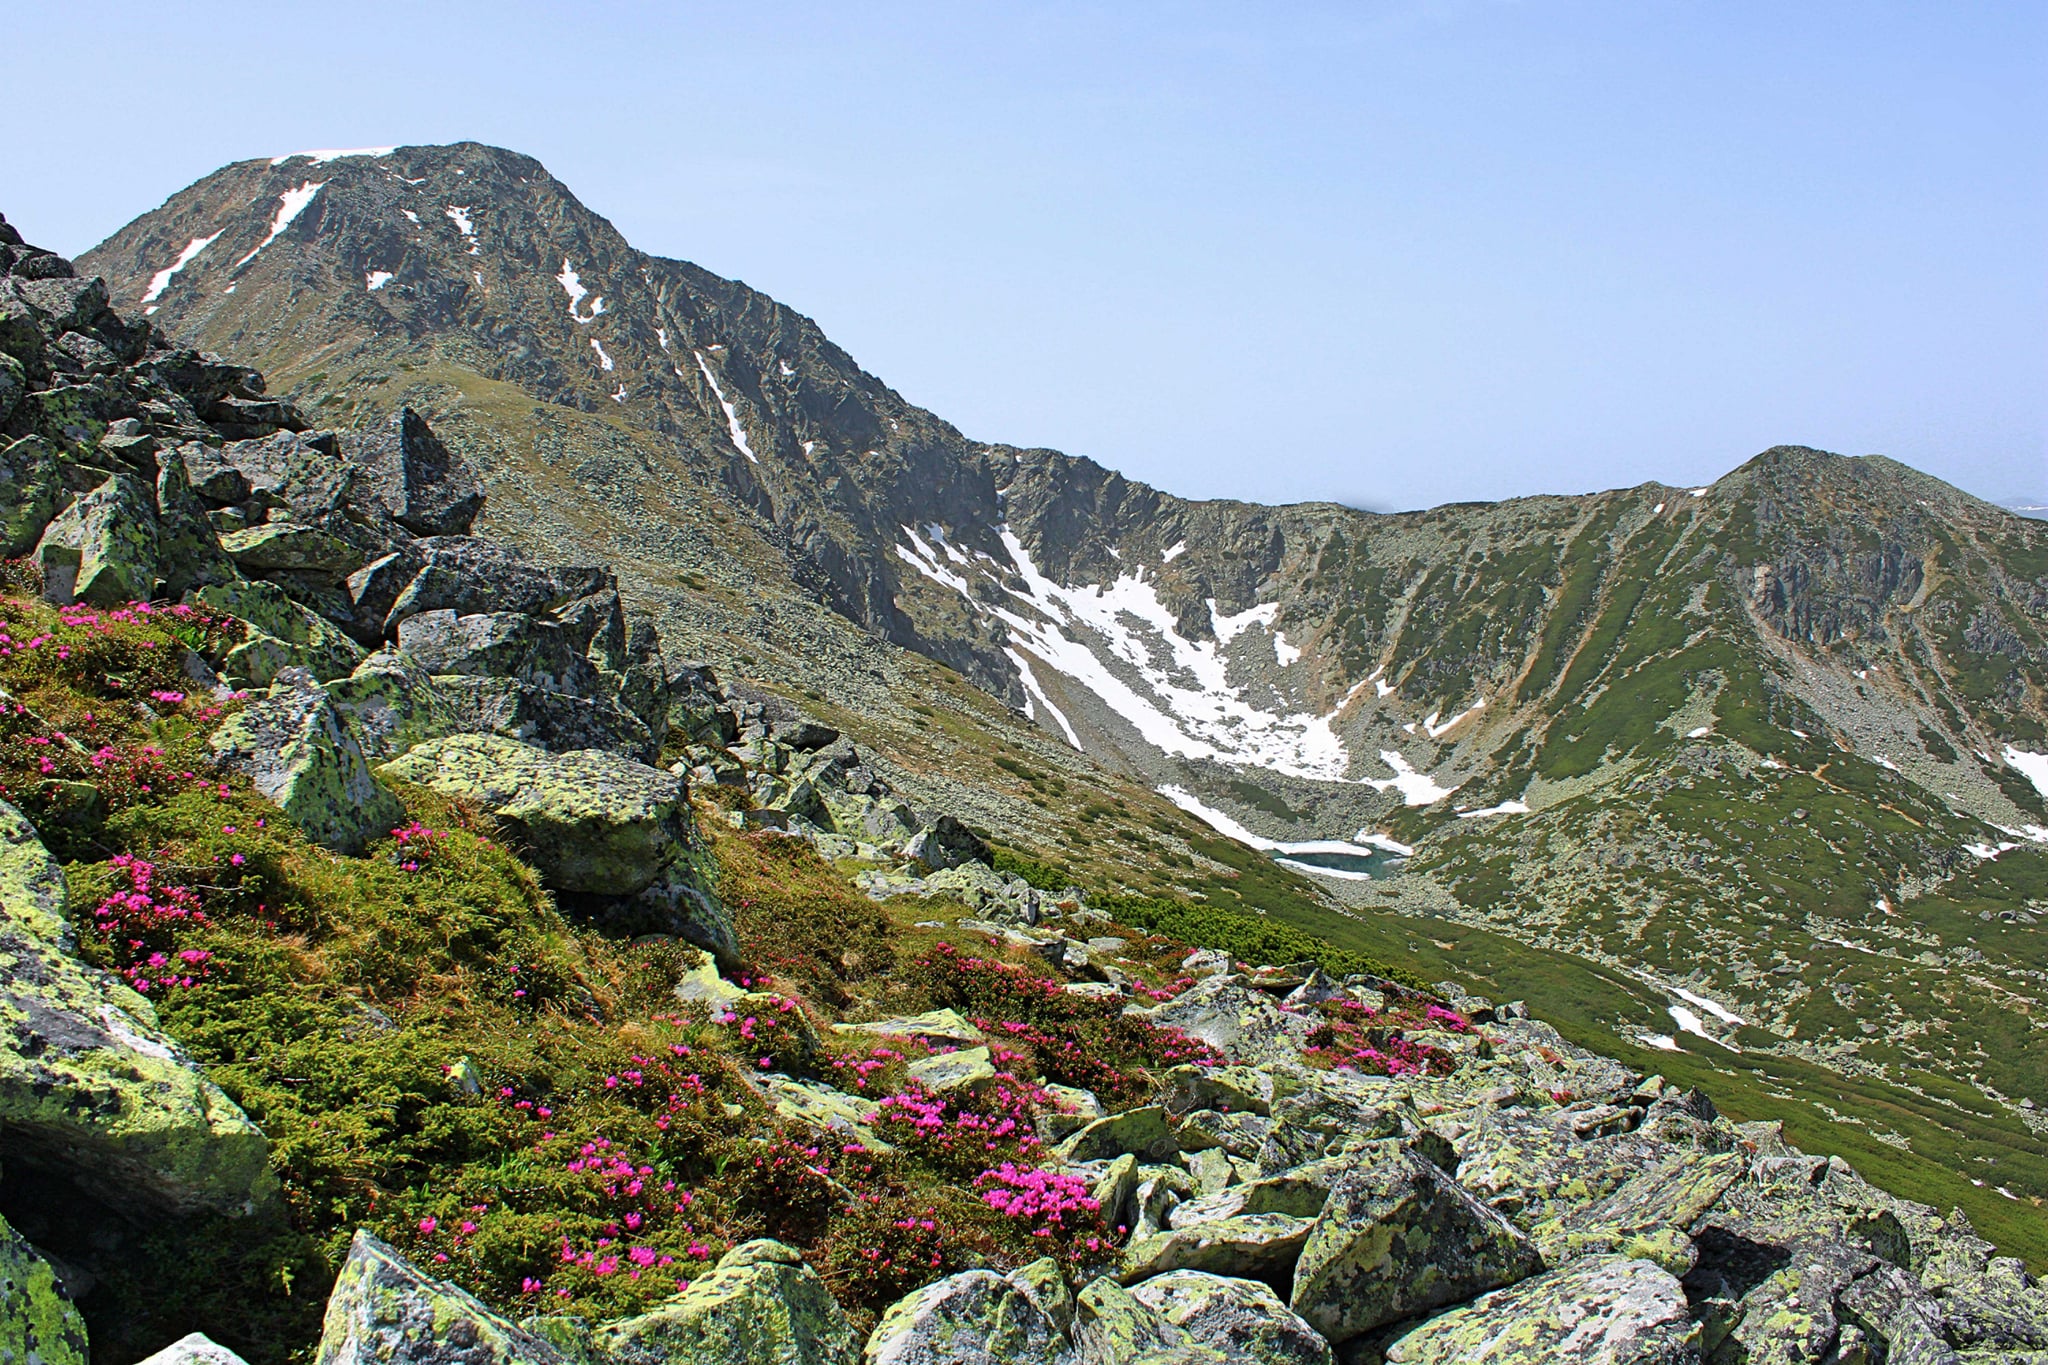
column 427, row 488
column 1596, row 1311
column 194, row 1349
column 383, row 1311
column 761, row 1305
column 593, row 824
column 1243, row 1319
column 297, row 750
column 38, row 1323
column 92, row 1095
column 973, row 1318
column 1398, row 1237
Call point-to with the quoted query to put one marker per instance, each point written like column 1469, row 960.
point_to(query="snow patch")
column 1035, row 696
column 1719, row 1011
column 1384, row 688
column 572, row 285
column 1504, row 808
column 1283, row 651
column 377, row 279
column 411, row 217
column 732, row 414
column 661, row 335
column 290, row 205
column 602, row 358
column 1416, row 788
column 459, row 215
column 2033, row 767
column 1701, row 733
column 325, row 155
column 1342, row 874
column 1658, row 510
column 1688, row 1022
column 1663, row 1042
column 619, row 394
column 161, row 280
column 1174, row 552
column 1437, row 731
column 787, row 371
column 1884, row 762
column 1699, row 492
column 1385, row 843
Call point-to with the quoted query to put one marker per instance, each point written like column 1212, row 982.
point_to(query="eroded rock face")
column 973, row 1318
column 1396, row 1238
column 383, row 1311
column 1596, row 1311
column 761, row 1305
column 91, row 1091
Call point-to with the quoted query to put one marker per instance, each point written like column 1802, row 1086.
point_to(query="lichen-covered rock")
column 1042, row 1283
column 1649, row 1215
column 390, row 704
column 1252, row 1246
column 962, row 1070
column 90, row 1091
column 187, row 549
column 1113, row 1328
column 102, row 550
column 500, row 644
column 31, row 881
column 593, row 822
column 1243, row 1319
column 973, row 1318
column 1243, row 1024
column 194, row 1349
column 1226, row 1089
column 284, row 634
column 38, row 1324
column 1143, row 1130
column 944, row 1026
column 427, row 488
column 1398, row 1237
column 30, row 489
column 284, row 545
column 385, row 1311
column 296, row 749
column 559, row 722
column 761, row 1305
column 817, row 1105
column 1596, row 1311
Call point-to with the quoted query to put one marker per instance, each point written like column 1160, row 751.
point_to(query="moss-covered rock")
column 761, row 1305
column 974, row 1318
column 93, row 1091
column 1396, row 1238
column 1253, row 1246
column 288, row 546
column 385, row 1310
column 1597, row 1311
column 102, row 549
column 297, row 751
column 1113, row 1328
column 1143, row 1131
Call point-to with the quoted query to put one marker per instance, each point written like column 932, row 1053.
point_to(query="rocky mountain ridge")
column 1766, row 744
column 1267, row 1161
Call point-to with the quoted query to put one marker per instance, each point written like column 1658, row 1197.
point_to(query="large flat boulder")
column 761, row 1305
column 384, row 1311
column 593, row 822
column 1596, row 1311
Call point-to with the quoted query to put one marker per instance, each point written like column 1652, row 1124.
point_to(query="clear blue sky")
column 1390, row 253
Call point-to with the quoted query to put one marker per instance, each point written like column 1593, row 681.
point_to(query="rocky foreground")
column 1221, row 1160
